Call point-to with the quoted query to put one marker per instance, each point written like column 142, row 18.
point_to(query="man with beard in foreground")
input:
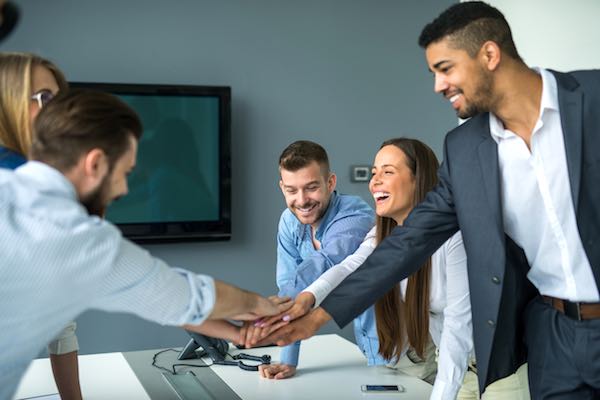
column 59, row 258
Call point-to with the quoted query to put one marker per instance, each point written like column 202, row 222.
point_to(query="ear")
column 281, row 186
column 95, row 165
column 331, row 182
column 490, row 55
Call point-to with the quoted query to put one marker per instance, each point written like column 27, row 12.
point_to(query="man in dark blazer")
column 521, row 180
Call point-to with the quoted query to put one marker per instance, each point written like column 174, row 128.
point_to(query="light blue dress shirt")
column 58, row 261
column 342, row 229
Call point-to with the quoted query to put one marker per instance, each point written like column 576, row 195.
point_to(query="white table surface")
column 102, row 376
column 330, row 367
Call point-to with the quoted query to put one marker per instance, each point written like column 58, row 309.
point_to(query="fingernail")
column 286, row 318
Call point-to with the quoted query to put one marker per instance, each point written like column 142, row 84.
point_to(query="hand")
column 277, row 371
column 301, row 328
column 302, row 305
column 251, row 333
column 266, row 307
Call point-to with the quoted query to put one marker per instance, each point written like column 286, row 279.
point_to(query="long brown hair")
column 398, row 320
column 15, row 97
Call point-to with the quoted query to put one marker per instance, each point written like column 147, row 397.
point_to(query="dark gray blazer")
column 468, row 198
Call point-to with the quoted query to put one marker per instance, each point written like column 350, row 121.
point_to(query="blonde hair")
column 15, row 97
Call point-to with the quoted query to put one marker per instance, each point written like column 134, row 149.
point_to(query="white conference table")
column 330, row 367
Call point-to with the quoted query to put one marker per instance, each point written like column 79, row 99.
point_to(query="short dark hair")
column 79, row 120
column 469, row 25
column 301, row 153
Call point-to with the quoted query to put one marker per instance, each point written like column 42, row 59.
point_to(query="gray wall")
column 347, row 74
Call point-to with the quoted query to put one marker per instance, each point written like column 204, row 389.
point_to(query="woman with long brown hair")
column 433, row 302
column 404, row 170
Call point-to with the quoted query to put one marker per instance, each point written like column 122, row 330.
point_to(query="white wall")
column 559, row 34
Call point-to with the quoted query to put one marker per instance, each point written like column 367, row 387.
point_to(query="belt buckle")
column 572, row 310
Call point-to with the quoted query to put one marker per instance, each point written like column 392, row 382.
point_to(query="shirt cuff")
column 65, row 342
column 203, row 297
column 444, row 390
column 289, row 354
column 318, row 292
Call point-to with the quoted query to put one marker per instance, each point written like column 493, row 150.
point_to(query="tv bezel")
column 183, row 231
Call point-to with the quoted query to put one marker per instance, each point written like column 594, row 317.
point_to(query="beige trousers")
column 513, row 387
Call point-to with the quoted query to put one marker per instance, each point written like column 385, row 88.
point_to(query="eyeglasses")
column 42, row 97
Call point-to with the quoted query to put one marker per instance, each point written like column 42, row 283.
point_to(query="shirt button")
column 496, row 280
column 491, row 323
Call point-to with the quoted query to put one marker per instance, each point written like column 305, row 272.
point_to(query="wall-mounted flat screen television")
column 180, row 189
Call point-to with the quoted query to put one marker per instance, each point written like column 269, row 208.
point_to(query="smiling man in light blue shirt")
column 318, row 230
column 59, row 258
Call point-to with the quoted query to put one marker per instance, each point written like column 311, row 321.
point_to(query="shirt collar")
column 47, row 179
column 549, row 101
column 331, row 212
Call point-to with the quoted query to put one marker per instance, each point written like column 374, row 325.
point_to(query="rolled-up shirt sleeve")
column 145, row 286
column 65, row 342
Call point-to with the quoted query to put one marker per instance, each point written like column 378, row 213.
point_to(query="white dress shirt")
column 57, row 261
column 450, row 307
column 537, row 205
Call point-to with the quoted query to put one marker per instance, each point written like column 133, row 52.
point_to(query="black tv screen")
column 180, row 189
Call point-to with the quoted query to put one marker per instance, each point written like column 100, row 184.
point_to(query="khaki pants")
column 513, row 387
column 410, row 364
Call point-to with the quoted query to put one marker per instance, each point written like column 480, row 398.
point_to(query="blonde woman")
column 28, row 83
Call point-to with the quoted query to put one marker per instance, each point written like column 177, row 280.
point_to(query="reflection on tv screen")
column 176, row 178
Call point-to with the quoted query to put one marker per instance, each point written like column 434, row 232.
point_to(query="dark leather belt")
column 577, row 311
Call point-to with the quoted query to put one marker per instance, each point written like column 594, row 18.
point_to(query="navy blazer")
column 468, row 198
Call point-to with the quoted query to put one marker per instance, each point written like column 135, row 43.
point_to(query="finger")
column 242, row 335
column 278, row 336
column 271, row 320
column 268, row 330
column 284, row 306
column 263, row 371
column 279, row 300
column 256, row 334
column 294, row 313
column 281, row 375
column 249, row 335
column 271, row 371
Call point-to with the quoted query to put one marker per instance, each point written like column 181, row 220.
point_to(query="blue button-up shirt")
column 341, row 230
column 58, row 261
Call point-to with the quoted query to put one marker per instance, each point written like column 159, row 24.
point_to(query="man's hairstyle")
column 301, row 153
column 468, row 26
column 16, row 70
column 78, row 121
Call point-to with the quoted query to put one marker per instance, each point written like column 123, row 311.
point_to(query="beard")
column 97, row 201
column 482, row 97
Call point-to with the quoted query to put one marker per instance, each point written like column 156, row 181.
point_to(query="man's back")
column 58, row 261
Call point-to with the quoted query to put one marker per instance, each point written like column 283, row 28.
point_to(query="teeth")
column 380, row 195
column 454, row 98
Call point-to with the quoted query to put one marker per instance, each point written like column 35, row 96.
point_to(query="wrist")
column 319, row 318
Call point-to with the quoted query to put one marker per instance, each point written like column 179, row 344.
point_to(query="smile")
column 380, row 196
column 306, row 210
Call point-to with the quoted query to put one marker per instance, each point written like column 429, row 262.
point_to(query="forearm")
column 232, row 301
column 66, row 375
